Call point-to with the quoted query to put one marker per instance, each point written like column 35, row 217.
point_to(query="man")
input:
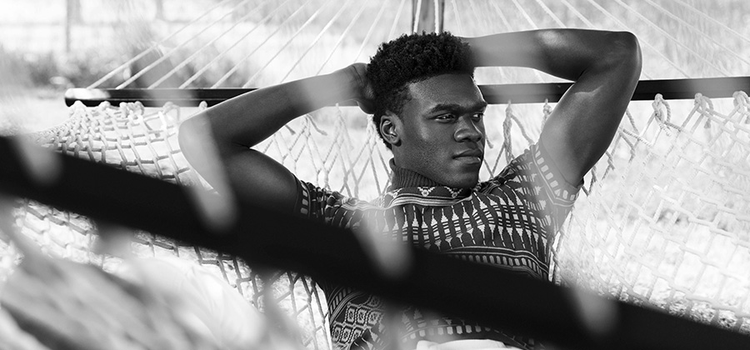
column 429, row 112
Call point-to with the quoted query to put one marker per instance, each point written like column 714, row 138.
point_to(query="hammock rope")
column 591, row 25
column 415, row 16
column 643, row 41
column 223, row 53
column 208, row 44
column 551, row 14
column 320, row 35
column 698, row 31
column 714, row 21
column 289, row 41
column 367, row 37
column 154, row 47
column 509, row 27
column 179, row 46
column 238, row 64
column 673, row 39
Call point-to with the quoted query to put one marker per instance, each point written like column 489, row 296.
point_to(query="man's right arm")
column 242, row 122
column 604, row 66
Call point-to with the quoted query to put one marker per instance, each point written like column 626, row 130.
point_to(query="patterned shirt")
column 507, row 221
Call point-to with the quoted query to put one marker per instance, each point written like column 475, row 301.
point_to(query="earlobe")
column 389, row 128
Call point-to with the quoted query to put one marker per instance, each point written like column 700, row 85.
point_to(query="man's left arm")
column 605, row 67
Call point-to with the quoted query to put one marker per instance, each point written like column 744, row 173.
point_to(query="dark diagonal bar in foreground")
column 261, row 237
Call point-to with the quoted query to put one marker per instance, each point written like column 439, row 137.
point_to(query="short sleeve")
column 535, row 177
column 550, row 177
column 318, row 204
column 314, row 202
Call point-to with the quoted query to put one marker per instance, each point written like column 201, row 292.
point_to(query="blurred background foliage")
column 66, row 43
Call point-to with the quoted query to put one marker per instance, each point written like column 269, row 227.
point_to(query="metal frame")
column 646, row 90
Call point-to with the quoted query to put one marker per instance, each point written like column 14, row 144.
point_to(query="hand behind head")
column 364, row 93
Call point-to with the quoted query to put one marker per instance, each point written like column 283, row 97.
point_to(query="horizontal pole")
column 646, row 90
column 483, row 293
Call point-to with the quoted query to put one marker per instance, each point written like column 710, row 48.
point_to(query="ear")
column 390, row 128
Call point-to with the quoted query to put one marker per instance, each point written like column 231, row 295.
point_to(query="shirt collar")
column 401, row 178
column 409, row 186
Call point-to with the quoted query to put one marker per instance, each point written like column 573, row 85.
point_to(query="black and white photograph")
column 374, row 174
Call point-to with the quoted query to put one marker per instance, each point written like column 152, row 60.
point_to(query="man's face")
column 442, row 130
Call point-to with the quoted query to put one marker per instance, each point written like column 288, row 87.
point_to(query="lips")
column 472, row 156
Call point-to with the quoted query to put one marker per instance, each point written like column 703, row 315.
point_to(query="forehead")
column 458, row 89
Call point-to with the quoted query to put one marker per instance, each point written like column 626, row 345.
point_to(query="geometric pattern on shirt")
column 505, row 222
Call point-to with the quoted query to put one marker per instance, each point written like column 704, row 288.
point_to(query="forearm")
column 217, row 142
column 565, row 53
column 248, row 119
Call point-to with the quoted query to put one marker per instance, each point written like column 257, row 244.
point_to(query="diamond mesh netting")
column 668, row 224
column 131, row 138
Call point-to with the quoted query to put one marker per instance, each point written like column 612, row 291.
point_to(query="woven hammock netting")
column 664, row 219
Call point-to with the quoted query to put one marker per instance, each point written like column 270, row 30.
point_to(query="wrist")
column 331, row 88
column 358, row 86
column 354, row 79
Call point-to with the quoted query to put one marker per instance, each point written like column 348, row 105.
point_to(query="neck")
column 406, row 178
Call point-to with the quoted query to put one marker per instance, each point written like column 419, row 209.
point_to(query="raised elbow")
column 191, row 135
column 625, row 52
column 183, row 131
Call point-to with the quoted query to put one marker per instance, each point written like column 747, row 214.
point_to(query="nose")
column 468, row 130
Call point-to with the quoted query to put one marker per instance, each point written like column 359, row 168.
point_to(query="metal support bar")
column 427, row 16
column 646, row 90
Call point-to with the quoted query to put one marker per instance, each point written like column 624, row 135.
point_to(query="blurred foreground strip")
column 50, row 303
column 67, row 305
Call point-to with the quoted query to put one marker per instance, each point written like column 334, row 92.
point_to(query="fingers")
column 365, row 95
column 367, row 107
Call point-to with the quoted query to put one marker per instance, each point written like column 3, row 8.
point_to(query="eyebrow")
column 454, row 107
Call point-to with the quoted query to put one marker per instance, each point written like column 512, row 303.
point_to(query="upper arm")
column 259, row 179
column 217, row 142
column 252, row 176
column 585, row 120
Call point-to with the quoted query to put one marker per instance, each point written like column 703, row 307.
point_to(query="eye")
column 446, row 117
column 477, row 116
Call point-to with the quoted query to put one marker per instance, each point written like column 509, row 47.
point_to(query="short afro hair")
column 409, row 59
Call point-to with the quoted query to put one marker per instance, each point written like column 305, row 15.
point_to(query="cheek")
column 433, row 132
column 430, row 142
column 416, row 134
column 427, row 140
column 423, row 146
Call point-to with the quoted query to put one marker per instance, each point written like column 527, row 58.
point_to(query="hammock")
column 664, row 215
